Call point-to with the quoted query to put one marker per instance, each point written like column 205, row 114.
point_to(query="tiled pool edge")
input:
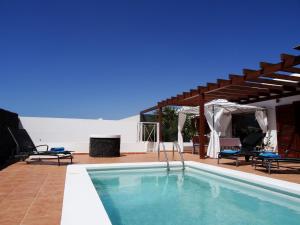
column 284, row 187
column 82, row 205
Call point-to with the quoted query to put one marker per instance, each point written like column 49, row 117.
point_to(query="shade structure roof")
column 229, row 107
column 270, row 81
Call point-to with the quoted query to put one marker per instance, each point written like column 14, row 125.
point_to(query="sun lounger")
column 230, row 154
column 57, row 156
column 54, row 153
column 26, row 150
column 268, row 158
column 248, row 149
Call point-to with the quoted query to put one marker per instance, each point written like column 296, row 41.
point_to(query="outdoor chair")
column 248, row 149
column 53, row 153
column 267, row 159
column 196, row 143
column 26, row 150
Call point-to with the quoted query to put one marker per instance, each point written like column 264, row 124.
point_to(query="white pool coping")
column 82, row 205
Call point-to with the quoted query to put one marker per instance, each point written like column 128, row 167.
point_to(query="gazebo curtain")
column 218, row 120
column 261, row 117
column 181, row 121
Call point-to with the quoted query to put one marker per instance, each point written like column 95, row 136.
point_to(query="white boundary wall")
column 74, row 134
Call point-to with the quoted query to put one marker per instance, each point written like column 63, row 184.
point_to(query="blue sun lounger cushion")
column 269, row 155
column 230, row 151
column 59, row 149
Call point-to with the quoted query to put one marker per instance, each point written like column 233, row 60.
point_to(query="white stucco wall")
column 73, row 134
column 135, row 119
column 271, row 106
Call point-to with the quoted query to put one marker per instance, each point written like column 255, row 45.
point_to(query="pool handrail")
column 175, row 144
column 165, row 154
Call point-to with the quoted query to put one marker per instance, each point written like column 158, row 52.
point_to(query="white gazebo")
column 218, row 114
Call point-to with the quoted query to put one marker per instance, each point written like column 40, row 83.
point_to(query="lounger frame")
column 59, row 157
column 268, row 162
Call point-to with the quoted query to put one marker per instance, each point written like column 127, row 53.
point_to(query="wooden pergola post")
column 160, row 119
column 201, row 127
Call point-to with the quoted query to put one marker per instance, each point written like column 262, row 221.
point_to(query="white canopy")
column 218, row 114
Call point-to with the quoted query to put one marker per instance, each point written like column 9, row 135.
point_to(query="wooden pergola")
column 271, row 81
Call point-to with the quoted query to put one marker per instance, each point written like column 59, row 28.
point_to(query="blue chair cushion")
column 269, row 155
column 230, row 151
column 59, row 149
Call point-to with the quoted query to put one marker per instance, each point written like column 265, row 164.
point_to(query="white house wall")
column 135, row 119
column 271, row 106
column 73, row 134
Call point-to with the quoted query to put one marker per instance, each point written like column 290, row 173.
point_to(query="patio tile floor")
column 33, row 193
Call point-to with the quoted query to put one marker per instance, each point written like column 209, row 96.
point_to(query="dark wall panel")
column 7, row 145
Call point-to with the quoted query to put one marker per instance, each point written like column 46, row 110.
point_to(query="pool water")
column 158, row 197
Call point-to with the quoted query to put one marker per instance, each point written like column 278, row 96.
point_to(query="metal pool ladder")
column 165, row 154
column 175, row 145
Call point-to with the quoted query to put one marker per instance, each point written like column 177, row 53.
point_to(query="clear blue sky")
column 111, row 59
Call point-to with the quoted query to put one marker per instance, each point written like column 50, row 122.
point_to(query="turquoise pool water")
column 156, row 197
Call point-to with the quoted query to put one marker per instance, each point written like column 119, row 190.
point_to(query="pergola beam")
column 275, row 82
column 248, row 89
column 271, row 98
column 282, row 77
column 244, row 90
column 264, row 83
column 223, row 83
column 229, row 93
column 271, row 87
column 212, row 86
column 292, row 70
column 221, row 96
column 148, row 110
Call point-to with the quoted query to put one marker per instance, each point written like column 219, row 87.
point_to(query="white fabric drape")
column 218, row 120
column 224, row 122
column 261, row 117
column 181, row 121
column 214, row 137
column 214, row 145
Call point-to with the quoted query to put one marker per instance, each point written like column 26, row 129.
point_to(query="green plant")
column 267, row 143
column 189, row 129
column 169, row 124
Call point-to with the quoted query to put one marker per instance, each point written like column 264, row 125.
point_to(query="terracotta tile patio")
column 33, row 193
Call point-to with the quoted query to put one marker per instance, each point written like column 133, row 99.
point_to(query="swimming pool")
column 145, row 194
